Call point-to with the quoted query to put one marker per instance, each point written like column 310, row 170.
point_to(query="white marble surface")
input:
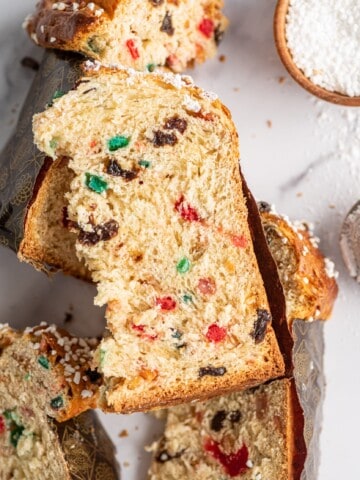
column 299, row 153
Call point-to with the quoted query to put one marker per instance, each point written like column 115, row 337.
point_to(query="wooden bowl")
column 285, row 55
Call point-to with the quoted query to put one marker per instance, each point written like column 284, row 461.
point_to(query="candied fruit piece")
column 186, row 211
column 57, row 402
column 212, row 371
column 183, row 265
column 206, row 27
column 2, row 425
column 118, row 141
column 215, row 333
column 134, row 52
column 238, row 241
column 207, row 286
column 166, row 303
column 95, row 183
column 234, row 463
column 44, row 362
column 144, row 163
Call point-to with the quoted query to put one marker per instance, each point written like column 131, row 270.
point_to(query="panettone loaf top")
column 142, row 34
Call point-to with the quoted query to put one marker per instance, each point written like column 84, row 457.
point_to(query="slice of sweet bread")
column 248, row 436
column 162, row 225
column 46, row 378
column 257, row 434
column 142, row 34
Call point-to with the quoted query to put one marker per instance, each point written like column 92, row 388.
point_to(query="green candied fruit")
column 16, row 434
column 57, row 402
column 144, row 163
column 183, row 265
column 187, row 298
column 102, row 357
column 57, row 94
column 177, row 334
column 95, row 183
column 118, row 141
column 44, row 362
column 27, row 376
column 12, row 416
column 150, row 67
column 53, row 144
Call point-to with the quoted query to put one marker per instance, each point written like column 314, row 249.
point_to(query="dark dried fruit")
column 264, row 207
column 29, row 62
column 212, row 371
column 176, row 123
column 116, row 170
column 156, row 3
column 235, row 416
column 161, row 138
column 167, row 25
column 260, row 325
column 67, row 223
column 164, row 456
column 100, row 233
column 57, row 402
column 93, row 375
column 218, row 35
column 217, row 422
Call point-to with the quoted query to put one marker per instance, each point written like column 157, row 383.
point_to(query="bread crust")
column 315, row 291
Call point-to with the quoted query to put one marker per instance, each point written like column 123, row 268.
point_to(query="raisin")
column 160, row 138
column 164, row 456
column 116, row 170
column 235, row 416
column 212, row 371
column 156, row 3
column 16, row 434
column 218, row 35
column 264, row 207
column 260, row 325
column 93, row 375
column 176, row 123
column 67, row 223
column 29, row 62
column 101, row 233
column 217, row 422
column 167, row 26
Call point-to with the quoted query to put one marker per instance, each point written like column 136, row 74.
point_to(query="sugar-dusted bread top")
column 142, row 34
column 308, row 278
column 242, row 436
column 51, row 367
column 162, row 226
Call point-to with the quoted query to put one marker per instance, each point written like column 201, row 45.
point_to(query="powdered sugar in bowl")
column 319, row 43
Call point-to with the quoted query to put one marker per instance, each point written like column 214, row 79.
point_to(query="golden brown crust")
column 315, row 290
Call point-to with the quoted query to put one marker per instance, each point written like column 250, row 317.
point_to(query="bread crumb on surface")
column 222, row 58
column 124, row 433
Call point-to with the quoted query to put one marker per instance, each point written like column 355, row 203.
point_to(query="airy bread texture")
column 142, row 34
column 247, row 436
column 308, row 278
column 162, row 226
column 45, row 372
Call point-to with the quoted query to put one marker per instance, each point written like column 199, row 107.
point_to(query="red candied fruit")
column 206, row 27
column 186, row 211
column 234, row 463
column 215, row 333
column 93, row 143
column 134, row 52
column 207, row 286
column 2, row 424
column 142, row 333
column 239, row 241
column 166, row 303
